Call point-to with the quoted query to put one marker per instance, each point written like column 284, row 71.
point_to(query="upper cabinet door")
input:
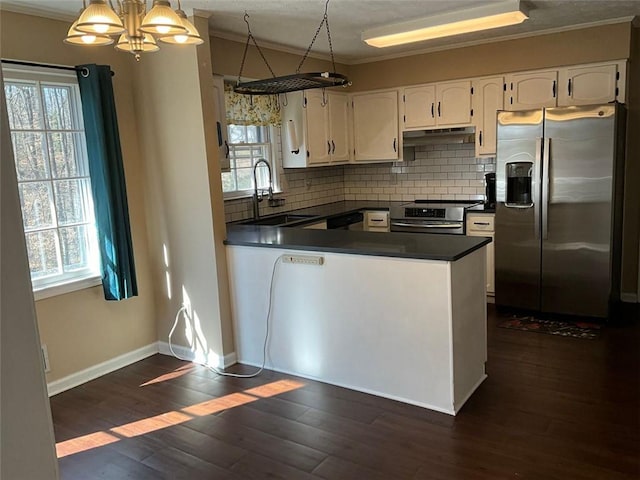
column 317, row 115
column 339, row 127
column 419, row 106
column 588, row 85
column 532, row 90
column 375, row 126
column 453, row 103
column 488, row 98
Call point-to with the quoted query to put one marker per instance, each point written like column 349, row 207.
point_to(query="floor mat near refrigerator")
column 586, row 330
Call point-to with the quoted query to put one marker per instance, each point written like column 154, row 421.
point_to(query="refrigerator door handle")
column 535, row 193
column 546, row 163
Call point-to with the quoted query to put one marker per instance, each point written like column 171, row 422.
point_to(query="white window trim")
column 66, row 287
column 86, row 278
column 276, row 160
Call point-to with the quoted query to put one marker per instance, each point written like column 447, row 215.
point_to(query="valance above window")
column 260, row 110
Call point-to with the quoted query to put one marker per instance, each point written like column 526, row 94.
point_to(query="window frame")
column 272, row 133
column 88, row 276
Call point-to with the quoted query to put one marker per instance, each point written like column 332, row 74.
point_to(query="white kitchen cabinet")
column 318, row 133
column 482, row 225
column 321, row 225
column 339, row 125
column 487, row 99
column 221, row 123
column 375, row 126
column 317, row 122
column 530, row 90
column 419, row 106
column 446, row 104
column 376, row 221
column 453, row 103
column 590, row 84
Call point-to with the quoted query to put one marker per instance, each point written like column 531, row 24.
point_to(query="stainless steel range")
column 430, row 216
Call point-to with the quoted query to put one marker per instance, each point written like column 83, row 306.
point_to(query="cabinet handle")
column 569, row 87
column 219, row 128
column 480, row 137
column 226, row 149
column 394, row 144
column 439, row 110
column 486, row 224
column 328, row 148
column 333, row 147
column 553, row 89
column 432, row 113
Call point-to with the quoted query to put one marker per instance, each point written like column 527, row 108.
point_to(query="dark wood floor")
column 552, row 408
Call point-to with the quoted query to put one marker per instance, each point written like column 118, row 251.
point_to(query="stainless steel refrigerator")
column 559, row 181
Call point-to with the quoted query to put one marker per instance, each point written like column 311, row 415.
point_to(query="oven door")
column 427, row 226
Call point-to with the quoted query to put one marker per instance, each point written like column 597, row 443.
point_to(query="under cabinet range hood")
column 439, row 136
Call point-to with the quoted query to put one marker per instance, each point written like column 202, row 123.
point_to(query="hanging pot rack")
column 297, row 81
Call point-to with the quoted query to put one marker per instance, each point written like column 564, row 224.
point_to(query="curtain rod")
column 47, row 65
column 34, row 64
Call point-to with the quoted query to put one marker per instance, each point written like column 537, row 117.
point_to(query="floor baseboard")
column 185, row 353
column 91, row 373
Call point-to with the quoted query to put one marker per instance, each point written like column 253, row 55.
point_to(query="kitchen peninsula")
column 397, row 315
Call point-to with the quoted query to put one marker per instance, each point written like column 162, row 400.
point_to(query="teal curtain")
column 107, row 182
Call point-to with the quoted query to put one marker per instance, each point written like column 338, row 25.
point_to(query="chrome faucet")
column 257, row 194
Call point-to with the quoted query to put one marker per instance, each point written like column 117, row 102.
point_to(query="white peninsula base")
column 407, row 329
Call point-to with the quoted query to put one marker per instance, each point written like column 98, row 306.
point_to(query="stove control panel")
column 419, row 212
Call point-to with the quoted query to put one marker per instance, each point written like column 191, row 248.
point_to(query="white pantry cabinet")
column 482, row 225
column 375, row 126
column 446, row 104
column 487, row 99
column 317, row 122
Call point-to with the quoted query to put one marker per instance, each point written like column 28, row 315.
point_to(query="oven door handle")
column 426, row 225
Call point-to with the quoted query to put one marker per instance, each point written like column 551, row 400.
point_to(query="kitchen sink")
column 282, row 219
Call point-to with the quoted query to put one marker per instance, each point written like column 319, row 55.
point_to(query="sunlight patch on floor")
column 169, row 376
column 172, row 418
column 275, row 388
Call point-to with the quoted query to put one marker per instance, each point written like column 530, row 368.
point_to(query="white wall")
column 26, row 432
column 175, row 108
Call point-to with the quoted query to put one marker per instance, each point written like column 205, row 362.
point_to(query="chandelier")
column 136, row 29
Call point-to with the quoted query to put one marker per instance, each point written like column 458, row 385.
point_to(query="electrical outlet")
column 45, row 358
column 303, row 259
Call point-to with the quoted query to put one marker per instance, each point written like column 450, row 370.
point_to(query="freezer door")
column 517, row 237
column 577, row 210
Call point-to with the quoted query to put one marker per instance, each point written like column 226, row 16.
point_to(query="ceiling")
column 292, row 23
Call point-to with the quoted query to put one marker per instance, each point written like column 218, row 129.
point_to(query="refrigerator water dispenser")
column 519, row 184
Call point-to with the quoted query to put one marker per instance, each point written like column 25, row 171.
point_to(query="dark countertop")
column 328, row 210
column 406, row 245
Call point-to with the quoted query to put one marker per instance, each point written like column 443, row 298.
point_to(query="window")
column 247, row 145
column 45, row 120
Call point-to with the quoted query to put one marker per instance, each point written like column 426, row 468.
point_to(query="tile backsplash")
column 301, row 188
column 439, row 172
